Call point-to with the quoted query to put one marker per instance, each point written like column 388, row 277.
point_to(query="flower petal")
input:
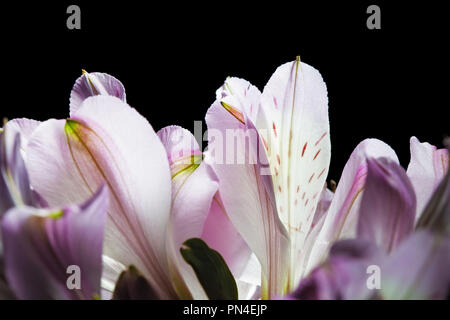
column 426, row 169
column 194, row 185
column 388, row 205
column 108, row 141
column 294, row 117
column 343, row 275
column 250, row 207
column 418, row 269
column 220, row 234
column 92, row 84
column 14, row 181
column 341, row 219
column 40, row 246
column 436, row 215
column 25, row 127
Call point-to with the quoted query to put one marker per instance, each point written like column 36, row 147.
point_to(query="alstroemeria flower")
column 107, row 141
column 273, row 212
column 412, row 265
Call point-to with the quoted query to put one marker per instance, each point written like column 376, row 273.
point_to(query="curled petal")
column 92, row 84
column 426, row 169
column 195, row 199
column 388, row 205
column 341, row 218
column 42, row 248
column 25, row 127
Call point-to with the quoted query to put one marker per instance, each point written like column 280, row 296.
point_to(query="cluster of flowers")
column 149, row 215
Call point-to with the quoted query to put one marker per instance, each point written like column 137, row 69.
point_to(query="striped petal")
column 194, row 185
column 92, row 84
column 250, row 206
column 107, row 141
column 195, row 199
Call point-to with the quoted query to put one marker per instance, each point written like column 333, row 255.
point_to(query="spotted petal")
column 247, row 201
column 293, row 118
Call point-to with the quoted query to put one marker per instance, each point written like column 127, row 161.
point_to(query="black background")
column 389, row 84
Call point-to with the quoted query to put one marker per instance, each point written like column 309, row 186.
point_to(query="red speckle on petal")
column 275, row 102
column 321, row 173
column 274, row 129
column 278, row 159
column 306, row 203
column 276, row 171
column 304, row 148
column 265, row 143
column 279, row 188
column 298, row 188
column 312, row 176
column 303, row 196
column 320, row 139
column 316, row 154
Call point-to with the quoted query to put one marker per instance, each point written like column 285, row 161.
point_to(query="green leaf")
column 132, row 285
column 211, row 270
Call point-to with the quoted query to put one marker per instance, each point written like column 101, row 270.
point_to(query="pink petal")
column 426, row 169
column 40, row 246
column 92, row 84
column 248, row 206
column 388, row 205
column 341, row 219
column 109, row 142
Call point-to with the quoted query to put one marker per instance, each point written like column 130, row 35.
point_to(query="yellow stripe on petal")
column 237, row 114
